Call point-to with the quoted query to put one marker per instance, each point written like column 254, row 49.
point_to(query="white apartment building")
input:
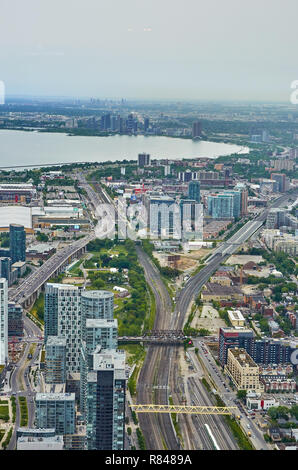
column 63, row 318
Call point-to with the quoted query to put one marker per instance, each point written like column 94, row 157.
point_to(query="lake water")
column 36, row 148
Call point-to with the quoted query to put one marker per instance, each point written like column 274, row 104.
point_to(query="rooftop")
column 15, row 215
column 36, row 430
column 56, row 341
column 242, row 357
column 55, row 397
column 97, row 294
column 218, row 289
column 235, row 315
column 101, row 323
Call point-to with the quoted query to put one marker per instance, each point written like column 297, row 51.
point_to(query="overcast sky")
column 172, row 49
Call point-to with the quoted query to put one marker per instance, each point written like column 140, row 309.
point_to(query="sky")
column 150, row 49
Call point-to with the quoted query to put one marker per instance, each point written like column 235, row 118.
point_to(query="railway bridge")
column 156, row 337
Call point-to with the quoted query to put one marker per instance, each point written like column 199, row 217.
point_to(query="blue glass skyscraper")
column 17, row 242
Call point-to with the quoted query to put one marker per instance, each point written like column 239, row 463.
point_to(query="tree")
column 294, row 411
column 42, row 237
column 241, row 394
column 276, row 412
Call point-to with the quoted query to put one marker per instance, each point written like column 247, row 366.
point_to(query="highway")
column 159, row 366
column 37, row 279
column 184, row 300
column 219, row 255
column 159, row 369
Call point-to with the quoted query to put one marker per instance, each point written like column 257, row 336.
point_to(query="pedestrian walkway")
column 6, row 426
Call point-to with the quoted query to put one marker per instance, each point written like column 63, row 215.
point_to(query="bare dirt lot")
column 243, row 259
column 208, row 318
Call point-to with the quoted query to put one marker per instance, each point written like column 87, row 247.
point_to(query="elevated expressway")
column 160, row 372
column 27, row 292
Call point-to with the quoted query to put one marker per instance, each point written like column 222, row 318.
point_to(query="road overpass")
column 27, row 292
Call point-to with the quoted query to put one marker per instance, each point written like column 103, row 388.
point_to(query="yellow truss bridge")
column 185, row 409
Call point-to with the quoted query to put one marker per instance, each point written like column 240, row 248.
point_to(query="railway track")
column 157, row 429
column 217, row 424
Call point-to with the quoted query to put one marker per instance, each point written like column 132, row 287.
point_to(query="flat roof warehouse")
column 15, row 215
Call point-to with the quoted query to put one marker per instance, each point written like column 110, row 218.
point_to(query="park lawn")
column 24, row 411
column 32, row 348
column 75, row 267
column 116, row 250
column 4, row 412
column 134, row 353
column 38, row 308
column 119, row 301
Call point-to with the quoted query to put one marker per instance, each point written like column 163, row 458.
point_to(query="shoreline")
column 239, row 150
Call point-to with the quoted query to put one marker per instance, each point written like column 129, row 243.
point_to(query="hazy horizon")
column 157, row 50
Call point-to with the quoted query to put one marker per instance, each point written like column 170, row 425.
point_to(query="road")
column 184, row 299
column 223, row 389
column 37, row 279
column 195, row 284
column 159, row 365
column 19, row 378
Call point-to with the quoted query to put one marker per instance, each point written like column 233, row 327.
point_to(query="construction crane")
column 185, row 409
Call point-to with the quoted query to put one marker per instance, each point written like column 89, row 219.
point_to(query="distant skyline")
column 64, row 98
column 150, row 50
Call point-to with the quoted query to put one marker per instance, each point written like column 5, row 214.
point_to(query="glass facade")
column 101, row 332
column 105, row 404
column 55, row 360
column 5, row 268
column 3, row 321
column 63, row 318
column 15, row 320
column 97, row 304
column 56, row 410
column 225, row 205
column 194, row 190
column 17, row 243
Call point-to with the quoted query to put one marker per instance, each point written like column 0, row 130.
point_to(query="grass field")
column 4, row 413
column 134, row 353
column 24, row 411
column 38, row 308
